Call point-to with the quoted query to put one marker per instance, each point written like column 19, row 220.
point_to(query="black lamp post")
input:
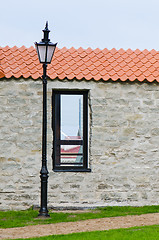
column 45, row 50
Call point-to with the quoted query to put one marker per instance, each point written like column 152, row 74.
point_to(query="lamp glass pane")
column 50, row 52
column 42, row 53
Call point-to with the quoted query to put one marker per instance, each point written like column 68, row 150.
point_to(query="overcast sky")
column 81, row 23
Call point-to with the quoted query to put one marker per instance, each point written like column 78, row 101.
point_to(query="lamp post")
column 45, row 50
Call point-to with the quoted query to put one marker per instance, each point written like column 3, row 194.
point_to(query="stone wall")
column 123, row 146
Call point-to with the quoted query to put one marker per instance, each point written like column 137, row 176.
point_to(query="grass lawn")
column 140, row 233
column 9, row 219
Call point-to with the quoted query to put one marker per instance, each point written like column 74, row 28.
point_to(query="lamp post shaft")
column 44, row 172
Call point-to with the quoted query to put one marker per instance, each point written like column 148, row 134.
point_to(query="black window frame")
column 57, row 142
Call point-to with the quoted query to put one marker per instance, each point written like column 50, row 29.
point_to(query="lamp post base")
column 43, row 214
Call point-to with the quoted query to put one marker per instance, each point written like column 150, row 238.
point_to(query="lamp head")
column 45, row 49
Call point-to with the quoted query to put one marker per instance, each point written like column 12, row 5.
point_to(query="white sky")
column 86, row 23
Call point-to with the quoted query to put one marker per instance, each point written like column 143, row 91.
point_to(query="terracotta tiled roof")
column 82, row 64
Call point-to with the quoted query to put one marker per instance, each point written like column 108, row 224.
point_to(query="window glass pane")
column 71, row 117
column 71, row 159
column 71, row 149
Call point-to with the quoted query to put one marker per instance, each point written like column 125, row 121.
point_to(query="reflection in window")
column 71, row 117
column 71, row 154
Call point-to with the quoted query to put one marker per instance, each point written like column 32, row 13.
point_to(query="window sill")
column 72, row 170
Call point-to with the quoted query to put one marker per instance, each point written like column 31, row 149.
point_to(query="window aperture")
column 70, row 130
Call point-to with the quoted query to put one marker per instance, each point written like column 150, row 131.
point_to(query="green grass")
column 137, row 233
column 9, row 219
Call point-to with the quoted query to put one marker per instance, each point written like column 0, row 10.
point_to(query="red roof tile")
column 82, row 64
column 1, row 73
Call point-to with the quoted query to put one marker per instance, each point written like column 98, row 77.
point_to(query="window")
column 70, row 130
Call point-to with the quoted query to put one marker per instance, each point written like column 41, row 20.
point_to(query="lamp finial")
column 46, row 27
column 46, row 34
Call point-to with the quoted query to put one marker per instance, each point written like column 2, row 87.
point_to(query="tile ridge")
column 152, row 51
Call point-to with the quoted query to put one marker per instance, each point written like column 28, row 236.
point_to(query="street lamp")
column 45, row 50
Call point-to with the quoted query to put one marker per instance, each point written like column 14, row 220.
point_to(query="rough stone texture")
column 123, row 146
